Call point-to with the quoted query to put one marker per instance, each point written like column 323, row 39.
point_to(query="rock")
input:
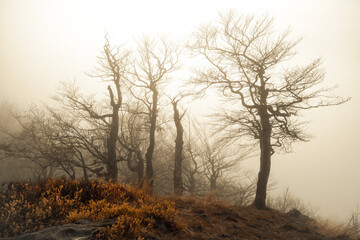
column 81, row 230
column 297, row 214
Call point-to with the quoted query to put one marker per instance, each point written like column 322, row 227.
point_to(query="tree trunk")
column 86, row 177
column 111, row 165
column 179, row 143
column 149, row 177
column 265, row 160
column 84, row 167
column 140, row 168
column 213, row 186
column 137, row 166
column 192, row 184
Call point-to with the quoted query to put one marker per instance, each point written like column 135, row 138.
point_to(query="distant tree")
column 217, row 158
column 194, row 182
column 243, row 192
column 191, row 168
column 83, row 137
column 39, row 140
column 208, row 161
column 6, row 119
column 245, row 56
column 133, row 137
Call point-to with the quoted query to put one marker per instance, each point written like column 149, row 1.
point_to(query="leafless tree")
column 207, row 161
column 179, row 145
column 38, row 141
column 154, row 61
column 13, row 163
column 194, row 181
column 243, row 191
column 244, row 57
column 113, row 68
column 191, row 170
column 83, row 138
column 133, row 137
column 217, row 158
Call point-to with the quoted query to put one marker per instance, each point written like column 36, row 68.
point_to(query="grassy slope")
column 210, row 220
column 26, row 208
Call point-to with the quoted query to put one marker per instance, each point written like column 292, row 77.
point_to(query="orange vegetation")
column 28, row 207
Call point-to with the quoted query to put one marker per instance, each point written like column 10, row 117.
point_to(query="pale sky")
column 44, row 42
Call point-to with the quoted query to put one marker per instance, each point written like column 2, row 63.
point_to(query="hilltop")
column 69, row 209
column 206, row 219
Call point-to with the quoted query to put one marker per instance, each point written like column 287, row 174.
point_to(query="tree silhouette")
column 245, row 59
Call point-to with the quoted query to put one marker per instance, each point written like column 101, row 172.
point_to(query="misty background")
column 45, row 42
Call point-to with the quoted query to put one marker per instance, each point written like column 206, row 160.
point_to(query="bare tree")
column 179, row 145
column 244, row 57
column 154, row 61
column 243, row 192
column 113, row 68
column 191, row 169
column 39, row 141
column 217, row 158
column 133, row 137
column 194, row 182
column 208, row 161
column 82, row 138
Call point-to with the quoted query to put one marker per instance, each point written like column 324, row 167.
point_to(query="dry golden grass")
column 334, row 229
column 26, row 207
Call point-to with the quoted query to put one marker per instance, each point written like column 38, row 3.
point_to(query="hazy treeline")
column 71, row 136
column 45, row 141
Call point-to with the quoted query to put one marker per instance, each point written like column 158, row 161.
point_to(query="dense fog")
column 51, row 54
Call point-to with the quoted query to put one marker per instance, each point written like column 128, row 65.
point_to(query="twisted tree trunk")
column 111, row 166
column 179, row 143
column 149, row 172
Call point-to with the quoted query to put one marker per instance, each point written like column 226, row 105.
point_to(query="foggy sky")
column 44, row 42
